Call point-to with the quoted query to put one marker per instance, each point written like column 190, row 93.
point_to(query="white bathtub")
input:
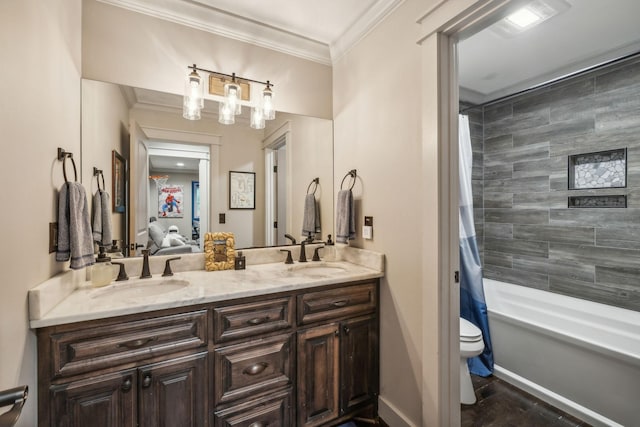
column 580, row 356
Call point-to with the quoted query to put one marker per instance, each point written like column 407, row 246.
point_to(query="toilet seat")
column 469, row 332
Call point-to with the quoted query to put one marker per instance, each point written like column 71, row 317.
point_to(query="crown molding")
column 363, row 26
column 199, row 16
column 202, row 18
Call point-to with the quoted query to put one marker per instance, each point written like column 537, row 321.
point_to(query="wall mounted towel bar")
column 62, row 156
column 98, row 173
column 352, row 173
column 313, row 181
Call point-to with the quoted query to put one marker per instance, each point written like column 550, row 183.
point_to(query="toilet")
column 471, row 345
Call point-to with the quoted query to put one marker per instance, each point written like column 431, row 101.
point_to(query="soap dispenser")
column 240, row 263
column 102, row 270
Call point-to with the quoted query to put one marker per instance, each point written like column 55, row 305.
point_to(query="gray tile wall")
column 526, row 233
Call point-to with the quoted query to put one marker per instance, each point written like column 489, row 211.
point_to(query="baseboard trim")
column 391, row 415
column 567, row 405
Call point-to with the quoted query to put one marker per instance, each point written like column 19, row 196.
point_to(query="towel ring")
column 352, row 173
column 62, row 155
column 316, row 181
column 97, row 172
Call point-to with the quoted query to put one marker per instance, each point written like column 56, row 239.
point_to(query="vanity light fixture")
column 233, row 93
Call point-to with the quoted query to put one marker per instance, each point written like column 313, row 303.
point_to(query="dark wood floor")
column 502, row 405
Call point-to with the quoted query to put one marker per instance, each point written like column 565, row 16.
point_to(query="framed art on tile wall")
column 242, row 190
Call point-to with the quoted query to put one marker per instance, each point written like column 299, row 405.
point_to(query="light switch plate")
column 367, row 232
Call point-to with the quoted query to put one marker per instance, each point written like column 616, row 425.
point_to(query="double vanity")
column 272, row 345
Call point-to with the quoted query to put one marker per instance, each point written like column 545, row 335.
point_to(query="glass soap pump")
column 102, row 270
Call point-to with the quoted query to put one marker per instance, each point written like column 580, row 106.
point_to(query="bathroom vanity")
column 270, row 345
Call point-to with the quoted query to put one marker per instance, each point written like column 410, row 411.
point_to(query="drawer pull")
column 257, row 320
column 255, row 369
column 137, row 343
column 258, row 424
column 126, row 384
column 146, row 381
column 340, row 303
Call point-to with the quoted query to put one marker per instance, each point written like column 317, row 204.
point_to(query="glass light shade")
column 233, row 94
column 193, row 100
column 257, row 118
column 225, row 114
column 268, row 109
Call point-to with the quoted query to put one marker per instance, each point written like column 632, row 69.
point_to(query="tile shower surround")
column 526, row 233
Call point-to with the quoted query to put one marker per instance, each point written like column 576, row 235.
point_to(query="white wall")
column 105, row 125
column 129, row 48
column 39, row 111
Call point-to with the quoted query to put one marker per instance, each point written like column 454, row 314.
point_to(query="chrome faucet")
column 145, row 265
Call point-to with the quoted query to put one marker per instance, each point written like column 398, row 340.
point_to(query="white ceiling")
column 490, row 66
column 590, row 32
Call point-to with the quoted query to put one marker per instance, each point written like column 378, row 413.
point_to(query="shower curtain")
column 472, row 303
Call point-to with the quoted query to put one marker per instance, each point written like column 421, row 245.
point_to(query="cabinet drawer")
column 336, row 303
column 253, row 368
column 272, row 411
column 110, row 345
column 250, row 319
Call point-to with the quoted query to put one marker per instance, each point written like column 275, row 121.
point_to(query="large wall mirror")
column 182, row 176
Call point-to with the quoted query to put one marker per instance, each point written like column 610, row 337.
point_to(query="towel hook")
column 352, row 173
column 316, row 181
column 62, row 155
column 98, row 172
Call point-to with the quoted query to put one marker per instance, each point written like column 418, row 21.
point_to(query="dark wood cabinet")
column 305, row 357
column 102, row 401
column 337, row 362
column 172, row 393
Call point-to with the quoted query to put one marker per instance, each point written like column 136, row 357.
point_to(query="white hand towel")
column 310, row 216
column 102, row 226
column 74, row 228
column 345, row 217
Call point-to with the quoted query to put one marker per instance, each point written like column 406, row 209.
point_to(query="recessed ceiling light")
column 529, row 16
column 180, row 164
column 523, row 17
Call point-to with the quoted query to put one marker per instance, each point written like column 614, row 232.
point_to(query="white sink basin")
column 316, row 268
column 140, row 288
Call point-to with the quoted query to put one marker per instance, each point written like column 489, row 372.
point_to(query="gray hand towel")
column 345, row 217
column 310, row 216
column 74, row 228
column 102, row 227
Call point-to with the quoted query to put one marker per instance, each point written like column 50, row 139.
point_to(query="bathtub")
column 580, row 356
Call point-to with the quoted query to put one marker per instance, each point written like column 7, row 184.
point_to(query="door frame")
column 441, row 26
column 270, row 144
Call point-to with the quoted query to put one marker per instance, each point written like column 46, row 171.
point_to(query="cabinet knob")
column 126, row 384
column 340, row 303
column 258, row 424
column 137, row 343
column 146, row 381
column 336, row 332
column 255, row 369
column 346, row 330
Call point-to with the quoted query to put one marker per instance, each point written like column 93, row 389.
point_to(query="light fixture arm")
column 231, row 76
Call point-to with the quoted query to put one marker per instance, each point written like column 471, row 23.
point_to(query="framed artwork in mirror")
column 118, row 182
column 242, row 190
column 219, row 251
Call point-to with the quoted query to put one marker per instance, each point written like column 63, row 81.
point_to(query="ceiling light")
column 232, row 92
column 534, row 13
column 180, row 164
column 523, row 18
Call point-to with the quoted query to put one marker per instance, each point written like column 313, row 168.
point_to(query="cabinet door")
column 173, row 393
column 358, row 363
column 318, row 376
column 102, row 401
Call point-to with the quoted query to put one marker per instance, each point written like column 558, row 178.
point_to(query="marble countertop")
column 67, row 299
